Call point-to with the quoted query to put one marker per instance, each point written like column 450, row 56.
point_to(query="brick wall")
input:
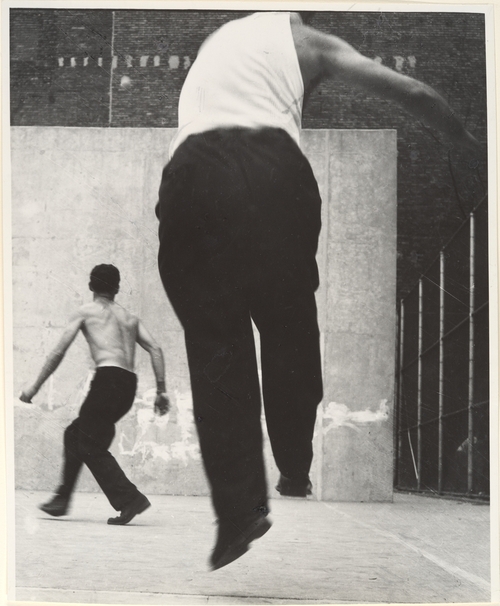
column 67, row 67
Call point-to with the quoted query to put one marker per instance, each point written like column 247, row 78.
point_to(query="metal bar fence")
column 442, row 395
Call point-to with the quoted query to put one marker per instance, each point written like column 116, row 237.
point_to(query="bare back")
column 111, row 332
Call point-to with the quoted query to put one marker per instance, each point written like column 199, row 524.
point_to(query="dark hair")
column 306, row 16
column 105, row 279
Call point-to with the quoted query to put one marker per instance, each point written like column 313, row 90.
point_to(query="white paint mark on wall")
column 378, row 59
column 412, row 61
column 399, row 63
column 150, row 426
column 339, row 415
column 174, row 61
column 187, row 447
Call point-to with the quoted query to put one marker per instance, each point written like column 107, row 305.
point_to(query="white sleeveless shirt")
column 246, row 74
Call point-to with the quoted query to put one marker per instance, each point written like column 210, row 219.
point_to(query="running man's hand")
column 162, row 404
column 27, row 394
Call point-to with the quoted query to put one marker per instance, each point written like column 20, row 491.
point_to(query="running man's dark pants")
column 239, row 218
column 88, row 438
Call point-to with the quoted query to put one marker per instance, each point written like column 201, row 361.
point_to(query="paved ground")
column 416, row 549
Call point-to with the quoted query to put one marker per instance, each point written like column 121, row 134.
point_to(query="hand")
column 27, row 394
column 162, row 404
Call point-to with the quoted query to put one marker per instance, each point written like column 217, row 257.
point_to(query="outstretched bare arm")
column 54, row 358
column 146, row 341
column 323, row 56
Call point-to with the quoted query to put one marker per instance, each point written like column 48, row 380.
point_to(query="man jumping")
column 111, row 333
column 240, row 215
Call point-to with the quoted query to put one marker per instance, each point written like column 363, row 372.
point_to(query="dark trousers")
column 239, row 218
column 88, row 438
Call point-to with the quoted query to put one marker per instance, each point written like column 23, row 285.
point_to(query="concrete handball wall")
column 82, row 196
column 66, row 68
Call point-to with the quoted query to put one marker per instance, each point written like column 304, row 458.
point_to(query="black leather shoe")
column 57, row 506
column 234, row 538
column 293, row 488
column 135, row 507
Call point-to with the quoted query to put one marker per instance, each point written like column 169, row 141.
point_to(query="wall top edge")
column 170, row 129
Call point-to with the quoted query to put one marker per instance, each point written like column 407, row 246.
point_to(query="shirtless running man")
column 112, row 333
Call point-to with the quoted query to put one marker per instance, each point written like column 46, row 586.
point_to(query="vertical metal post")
column 470, row 451
column 419, row 384
column 441, row 368
column 400, row 390
column 111, row 68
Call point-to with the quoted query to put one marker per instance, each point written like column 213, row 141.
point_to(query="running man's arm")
column 55, row 357
column 146, row 341
column 327, row 56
